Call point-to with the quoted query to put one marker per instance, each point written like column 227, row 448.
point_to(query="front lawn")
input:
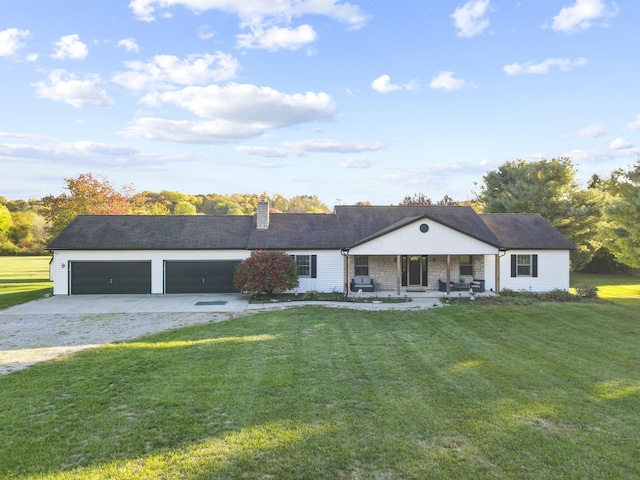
column 545, row 391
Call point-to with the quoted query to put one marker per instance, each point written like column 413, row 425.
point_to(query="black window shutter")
column 404, row 270
column 314, row 266
column 514, row 266
column 425, row 270
column 534, row 265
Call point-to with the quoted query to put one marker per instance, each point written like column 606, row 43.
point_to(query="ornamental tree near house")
column 269, row 271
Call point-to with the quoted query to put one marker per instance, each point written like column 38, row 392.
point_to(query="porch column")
column 498, row 273
column 398, row 274
column 448, row 274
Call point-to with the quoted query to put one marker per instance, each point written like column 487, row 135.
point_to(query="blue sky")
column 361, row 101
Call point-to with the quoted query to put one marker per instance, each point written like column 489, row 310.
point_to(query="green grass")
column 23, row 279
column 619, row 287
column 545, row 391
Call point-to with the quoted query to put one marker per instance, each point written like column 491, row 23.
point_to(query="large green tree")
column 621, row 226
column 307, row 204
column 6, row 223
column 547, row 187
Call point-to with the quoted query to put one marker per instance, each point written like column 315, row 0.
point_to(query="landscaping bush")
column 556, row 295
column 584, row 290
column 267, row 271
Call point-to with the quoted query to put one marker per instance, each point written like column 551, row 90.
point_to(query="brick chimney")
column 263, row 215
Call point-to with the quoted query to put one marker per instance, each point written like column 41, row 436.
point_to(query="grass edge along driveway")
column 544, row 391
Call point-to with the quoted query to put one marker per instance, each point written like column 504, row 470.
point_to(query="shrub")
column 586, row 291
column 556, row 295
column 267, row 271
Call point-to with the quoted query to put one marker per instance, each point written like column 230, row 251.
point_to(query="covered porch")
column 422, row 275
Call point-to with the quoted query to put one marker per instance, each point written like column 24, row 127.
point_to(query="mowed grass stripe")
column 546, row 391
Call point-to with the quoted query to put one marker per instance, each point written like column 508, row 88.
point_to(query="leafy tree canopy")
column 547, row 187
column 87, row 194
column 420, row 199
column 621, row 226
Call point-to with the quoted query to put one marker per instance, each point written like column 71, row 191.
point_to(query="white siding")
column 330, row 267
column 490, row 272
column 156, row 257
column 553, row 271
column 409, row 240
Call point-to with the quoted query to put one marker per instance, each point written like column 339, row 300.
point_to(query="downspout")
column 501, row 254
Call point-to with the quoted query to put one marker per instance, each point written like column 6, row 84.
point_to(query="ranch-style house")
column 394, row 250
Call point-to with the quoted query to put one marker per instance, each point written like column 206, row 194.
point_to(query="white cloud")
column 257, row 10
column 334, row 146
column 71, row 47
column 355, row 162
column 470, row 19
column 581, row 15
column 563, row 64
column 446, row 81
column 269, row 152
column 167, row 71
column 236, row 112
column 251, row 104
column 63, row 86
column 269, row 21
column 12, row 40
column 129, row 44
column 436, row 172
column 592, row 131
column 620, row 144
column 602, row 155
column 205, row 32
column 635, row 125
column 383, row 85
column 276, row 38
column 183, row 131
column 68, row 151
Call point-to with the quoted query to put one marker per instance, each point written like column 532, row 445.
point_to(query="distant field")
column 618, row 287
column 23, row 279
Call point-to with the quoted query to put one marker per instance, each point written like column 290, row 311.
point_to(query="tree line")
column 602, row 219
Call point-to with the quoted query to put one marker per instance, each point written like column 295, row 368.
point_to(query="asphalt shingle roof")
column 151, row 232
column 526, row 231
column 365, row 222
column 347, row 227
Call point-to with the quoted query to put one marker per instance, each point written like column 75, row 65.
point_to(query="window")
column 307, row 265
column 362, row 266
column 466, row 265
column 304, row 265
column 524, row 265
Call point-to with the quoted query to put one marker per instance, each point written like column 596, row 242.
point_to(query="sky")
column 366, row 100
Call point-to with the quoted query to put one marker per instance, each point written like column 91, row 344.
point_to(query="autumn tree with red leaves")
column 267, row 271
column 87, row 194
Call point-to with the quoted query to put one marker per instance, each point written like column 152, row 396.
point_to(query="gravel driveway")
column 28, row 339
